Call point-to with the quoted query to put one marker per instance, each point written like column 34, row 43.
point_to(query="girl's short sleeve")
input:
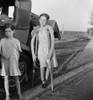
column 19, row 46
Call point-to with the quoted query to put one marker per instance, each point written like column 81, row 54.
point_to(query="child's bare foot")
column 7, row 98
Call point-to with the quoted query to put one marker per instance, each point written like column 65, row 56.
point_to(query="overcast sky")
column 72, row 14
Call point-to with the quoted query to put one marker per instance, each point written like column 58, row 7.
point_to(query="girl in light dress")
column 44, row 48
column 9, row 50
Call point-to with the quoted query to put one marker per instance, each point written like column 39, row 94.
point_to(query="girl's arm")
column 33, row 35
column 1, row 54
column 51, row 31
column 32, row 48
column 19, row 46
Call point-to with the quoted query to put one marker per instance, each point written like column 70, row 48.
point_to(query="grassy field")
column 73, row 35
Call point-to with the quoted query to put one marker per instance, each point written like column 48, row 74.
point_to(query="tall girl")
column 44, row 36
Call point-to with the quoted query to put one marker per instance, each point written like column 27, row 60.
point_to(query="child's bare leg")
column 6, row 85
column 47, row 73
column 18, row 87
column 48, row 69
column 42, row 73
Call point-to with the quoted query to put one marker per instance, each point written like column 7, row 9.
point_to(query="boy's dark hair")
column 9, row 25
column 46, row 15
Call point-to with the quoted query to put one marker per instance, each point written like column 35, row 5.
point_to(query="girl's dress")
column 43, row 48
column 9, row 49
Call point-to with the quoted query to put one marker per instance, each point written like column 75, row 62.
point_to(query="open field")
column 73, row 35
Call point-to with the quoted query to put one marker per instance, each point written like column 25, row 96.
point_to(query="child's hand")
column 34, row 58
column 48, row 56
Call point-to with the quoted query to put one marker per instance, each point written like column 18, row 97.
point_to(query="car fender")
column 25, row 47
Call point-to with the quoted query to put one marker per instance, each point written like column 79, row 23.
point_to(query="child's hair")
column 46, row 15
column 9, row 25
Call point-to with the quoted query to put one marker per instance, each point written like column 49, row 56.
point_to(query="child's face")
column 9, row 32
column 43, row 20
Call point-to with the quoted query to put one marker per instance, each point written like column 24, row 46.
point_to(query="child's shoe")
column 44, row 84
